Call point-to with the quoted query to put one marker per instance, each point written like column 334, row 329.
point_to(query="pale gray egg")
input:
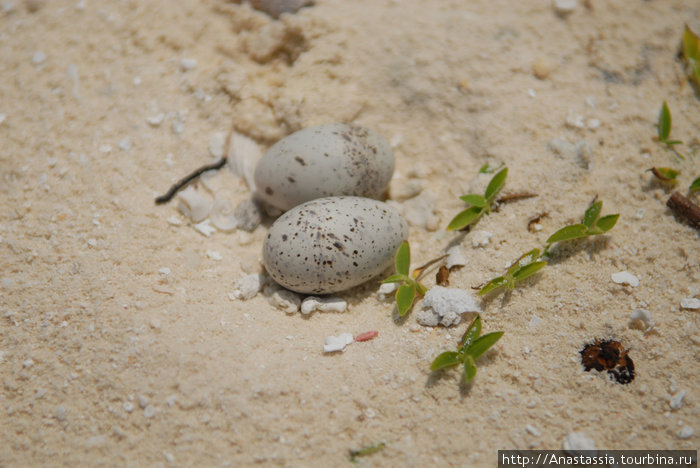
column 331, row 244
column 322, row 161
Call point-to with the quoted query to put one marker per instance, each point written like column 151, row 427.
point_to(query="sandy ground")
column 106, row 361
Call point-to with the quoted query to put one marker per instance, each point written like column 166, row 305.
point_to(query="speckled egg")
column 332, row 244
column 326, row 160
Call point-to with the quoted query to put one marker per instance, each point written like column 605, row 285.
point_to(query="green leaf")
column 474, row 200
column 395, row 279
column 485, row 169
column 573, row 231
column 691, row 44
column 471, row 334
column 495, row 185
column 469, row 369
column 405, row 296
column 403, row 259
column 483, row 343
column 606, row 223
column 421, row 289
column 592, row 214
column 446, row 359
column 695, row 186
column 528, row 270
column 464, row 218
column 664, row 123
column 495, row 283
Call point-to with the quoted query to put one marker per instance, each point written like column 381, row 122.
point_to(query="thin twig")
column 186, row 180
column 684, row 209
column 531, row 223
column 515, row 197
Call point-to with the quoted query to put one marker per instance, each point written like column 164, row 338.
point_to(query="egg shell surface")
column 325, row 160
column 332, row 244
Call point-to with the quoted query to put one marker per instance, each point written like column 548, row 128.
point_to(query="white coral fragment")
column 243, row 155
column 643, row 316
column 690, row 303
column 248, row 286
column 194, row 205
column 282, row 299
column 222, row 216
column 337, row 343
column 323, row 304
column 445, row 306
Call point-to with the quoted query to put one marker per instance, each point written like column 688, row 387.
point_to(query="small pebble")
column 685, row 433
column 676, row 402
column 248, row 215
column 283, row 299
column 61, row 413
column 625, row 277
column 593, row 124
column 337, row 343
column 386, row 291
column 535, row 322
column 564, row 8
column 542, row 68
column 323, row 304
column 533, row 430
column 128, row 406
column 214, row 255
column 38, row 58
column 156, row 120
column 691, row 303
column 275, row 8
column 188, row 64
column 149, row 411
column 173, row 221
column 640, row 213
column 164, row 271
column 577, row 441
column 143, row 401
column 248, row 286
column 27, row 363
column 643, row 316
column 125, row 144
column 3, row 117
column 178, row 124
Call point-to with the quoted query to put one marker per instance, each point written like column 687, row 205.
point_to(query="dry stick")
column 684, row 209
column 186, row 180
column 515, row 196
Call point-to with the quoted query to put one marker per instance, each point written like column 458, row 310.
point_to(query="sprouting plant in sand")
column 664, row 131
column 471, row 346
column 695, row 185
column 691, row 53
column 480, row 204
column 410, row 287
column 665, row 175
column 533, row 261
column 527, row 265
column 592, row 225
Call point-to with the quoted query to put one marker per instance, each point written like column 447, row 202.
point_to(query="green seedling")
column 592, row 225
column 695, row 185
column 487, row 169
column 664, row 130
column 354, row 454
column 480, row 204
column 691, row 52
column 471, row 346
column 410, row 286
column 527, row 265
column 665, row 174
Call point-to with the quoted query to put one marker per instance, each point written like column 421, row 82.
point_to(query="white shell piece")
column 222, row 216
column 690, row 303
column 337, row 343
column 323, row 304
column 243, row 155
column 194, row 205
column 455, row 257
column 644, row 316
column 625, row 277
column 386, row 290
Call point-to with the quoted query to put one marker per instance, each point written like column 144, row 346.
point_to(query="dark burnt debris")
column 611, row 356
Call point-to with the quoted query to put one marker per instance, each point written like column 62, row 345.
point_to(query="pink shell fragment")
column 366, row 336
